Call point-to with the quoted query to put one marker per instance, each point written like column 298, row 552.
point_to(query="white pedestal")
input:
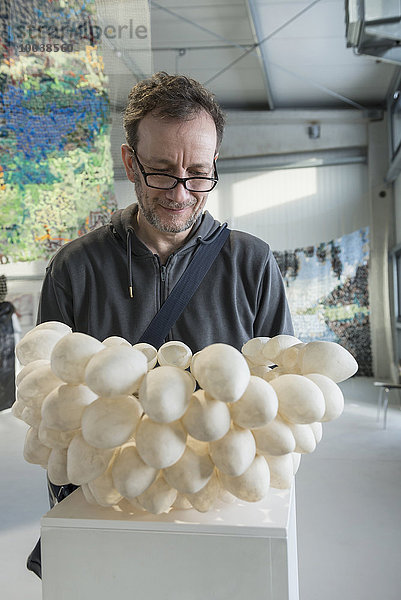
column 238, row 551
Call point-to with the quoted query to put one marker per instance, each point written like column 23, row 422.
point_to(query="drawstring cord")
column 129, row 261
column 200, row 241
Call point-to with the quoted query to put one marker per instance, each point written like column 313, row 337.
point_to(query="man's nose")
column 178, row 193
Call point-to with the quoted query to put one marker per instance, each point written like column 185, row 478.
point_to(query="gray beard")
column 154, row 220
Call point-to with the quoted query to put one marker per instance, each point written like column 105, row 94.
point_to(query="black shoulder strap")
column 183, row 290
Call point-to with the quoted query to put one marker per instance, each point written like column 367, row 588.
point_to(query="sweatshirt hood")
column 204, row 228
column 204, row 231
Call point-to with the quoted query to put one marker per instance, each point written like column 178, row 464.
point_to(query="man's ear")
column 127, row 158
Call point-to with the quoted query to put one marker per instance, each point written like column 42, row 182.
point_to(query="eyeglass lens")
column 166, row 182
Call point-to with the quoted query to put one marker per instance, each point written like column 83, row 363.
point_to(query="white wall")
column 293, row 208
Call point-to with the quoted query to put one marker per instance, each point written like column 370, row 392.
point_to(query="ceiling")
column 253, row 54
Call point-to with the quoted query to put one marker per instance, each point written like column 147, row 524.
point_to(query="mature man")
column 113, row 280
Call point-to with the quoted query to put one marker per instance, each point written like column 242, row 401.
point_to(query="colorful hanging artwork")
column 327, row 290
column 56, row 172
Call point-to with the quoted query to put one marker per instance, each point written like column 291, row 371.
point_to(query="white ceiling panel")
column 188, row 25
column 259, row 54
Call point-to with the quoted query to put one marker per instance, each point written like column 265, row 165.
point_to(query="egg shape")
column 190, row 473
column 206, row 419
column 115, row 371
column 160, row 445
column 130, row 474
column 300, row 400
column 221, row 371
column 165, row 393
column 253, row 485
column 234, row 453
column 257, row 406
column 109, row 422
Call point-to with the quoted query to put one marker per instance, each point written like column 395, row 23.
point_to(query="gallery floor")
column 348, row 506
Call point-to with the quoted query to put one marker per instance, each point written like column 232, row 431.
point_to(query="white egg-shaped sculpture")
column 103, row 490
column 84, row 462
column 281, row 471
column 57, row 466
column 289, row 358
column 175, row 353
column 160, row 445
column 197, row 446
column 38, row 384
column 37, row 344
column 115, row 371
column 305, row 441
column 89, row 497
column 259, row 370
column 131, row 505
column 55, row 325
column 149, row 351
column 333, row 396
column 328, row 358
column 32, row 415
column 181, row 502
column 63, row 408
column 257, row 406
column 165, row 393
column 221, row 371
column 300, row 400
column 207, row 496
column 251, row 486
column 277, row 344
column 274, row 374
column 21, row 398
column 54, row 438
column 233, row 453
column 190, row 473
column 275, row 438
column 131, row 475
column 253, row 350
column 317, row 429
column 34, row 451
column 206, row 419
column 194, row 382
column 17, row 409
column 116, row 340
column 159, row 497
column 226, row 496
column 109, row 422
column 296, row 461
column 71, row 354
column 32, row 366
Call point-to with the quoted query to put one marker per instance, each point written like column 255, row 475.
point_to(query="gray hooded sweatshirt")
column 87, row 286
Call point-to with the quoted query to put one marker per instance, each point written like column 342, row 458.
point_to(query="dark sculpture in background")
column 7, row 343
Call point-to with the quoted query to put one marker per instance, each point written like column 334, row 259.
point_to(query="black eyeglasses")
column 162, row 181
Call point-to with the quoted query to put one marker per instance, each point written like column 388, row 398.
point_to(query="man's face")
column 181, row 148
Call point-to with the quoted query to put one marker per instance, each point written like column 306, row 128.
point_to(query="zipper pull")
column 163, row 271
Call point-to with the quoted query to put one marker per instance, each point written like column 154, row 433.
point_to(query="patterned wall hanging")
column 56, row 172
column 327, row 290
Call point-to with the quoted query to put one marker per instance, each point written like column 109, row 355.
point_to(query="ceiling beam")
column 256, row 32
column 261, row 42
column 293, row 160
